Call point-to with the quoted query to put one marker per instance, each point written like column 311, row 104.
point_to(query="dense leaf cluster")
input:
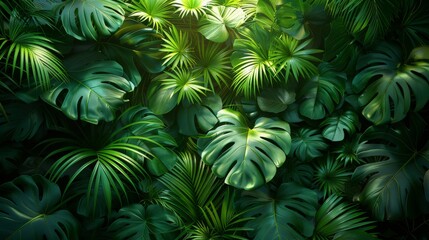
column 214, row 119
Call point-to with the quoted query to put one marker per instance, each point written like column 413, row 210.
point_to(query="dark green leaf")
column 336, row 126
column 307, row 144
column 275, row 100
column 286, row 213
column 29, row 210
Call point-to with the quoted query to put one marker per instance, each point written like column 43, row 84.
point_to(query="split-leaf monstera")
column 391, row 88
column 29, row 210
column 247, row 157
column 96, row 90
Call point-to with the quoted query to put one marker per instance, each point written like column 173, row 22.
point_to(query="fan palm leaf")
column 29, row 55
column 191, row 7
column 177, row 48
column 154, row 12
column 186, row 84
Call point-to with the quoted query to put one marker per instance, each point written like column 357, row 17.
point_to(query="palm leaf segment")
column 247, row 157
column 90, row 19
column 31, row 54
column 191, row 7
column 336, row 217
column 394, row 186
column 114, row 160
column 391, row 88
column 154, row 12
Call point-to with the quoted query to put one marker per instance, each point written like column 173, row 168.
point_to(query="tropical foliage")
column 214, row 119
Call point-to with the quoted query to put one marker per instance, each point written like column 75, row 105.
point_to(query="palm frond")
column 190, row 186
column 191, row 7
column 30, row 55
column 331, row 177
column 293, row 57
column 154, row 12
column 186, row 84
column 178, row 49
column 213, row 64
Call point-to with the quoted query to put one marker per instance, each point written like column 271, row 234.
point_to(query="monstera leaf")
column 394, row 185
column 139, row 222
column 214, row 26
column 335, row 126
column 247, row 157
column 286, row 213
column 390, row 88
column 29, row 210
column 322, row 93
column 295, row 17
column 88, row 19
column 199, row 118
column 95, row 92
column 135, row 46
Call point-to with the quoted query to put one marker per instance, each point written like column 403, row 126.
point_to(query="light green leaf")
column 29, row 210
column 96, row 91
column 286, row 213
column 336, row 126
column 246, row 157
column 138, row 222
column 219, row 19
column 391, row 88
column 275, row 100
column 90, row 19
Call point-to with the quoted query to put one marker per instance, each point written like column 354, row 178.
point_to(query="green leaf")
column 295, row 18
column 336, row 126
column 286, row 213
column 139, row 222
column 322, row 94
column 18, row 126
column 194, row 119
column 218, row 21
column 331, row 176
column 275, row 100
column 96, row 91
column 136, row 47
column 390, row 88
column 394, row 185
column 307, row 144
column 155, row 12
column 29, row 210
column 161, row 100
column 90, row 19
column 336, row 218
column 246, row 157
column 190, row 187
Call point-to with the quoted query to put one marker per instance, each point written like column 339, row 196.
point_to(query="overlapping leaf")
column 246, row 157
column 336, row 126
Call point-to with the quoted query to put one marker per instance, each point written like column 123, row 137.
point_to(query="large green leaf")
column 139, row 222
column 336, row 126
column 286, row 213
column 219, row 20
column 136, row 47
column 390, row 87
column 247, row 157
column 336, row 217
column 95, row 92
column 90, row 19
column 161, row 100
column 194, row 119
column 322, row 94
column 29, row 209
column 394, row 185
